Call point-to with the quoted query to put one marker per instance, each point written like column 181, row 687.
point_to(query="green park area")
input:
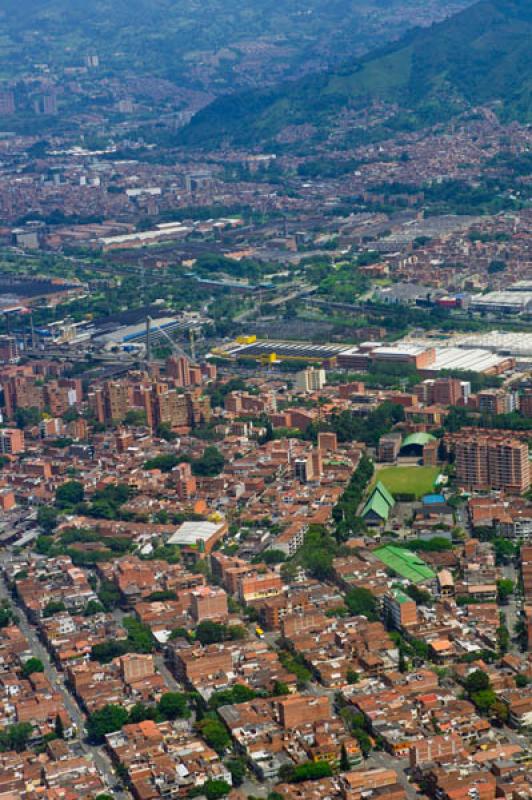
column 408, row 480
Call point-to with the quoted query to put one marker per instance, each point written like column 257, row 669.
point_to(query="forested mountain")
column 480, row 55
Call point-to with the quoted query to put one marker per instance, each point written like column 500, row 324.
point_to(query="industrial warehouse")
column 427, row 358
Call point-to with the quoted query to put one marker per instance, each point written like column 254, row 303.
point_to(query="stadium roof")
column 420, row 439
column 405, row 563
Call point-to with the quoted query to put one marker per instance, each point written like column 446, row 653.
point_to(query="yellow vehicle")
column 259, row 632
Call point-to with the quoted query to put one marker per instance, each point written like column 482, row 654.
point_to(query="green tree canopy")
column 32, row 665
column 173, row 705
column 69, row 494
column 477, row 681
column 106, row 720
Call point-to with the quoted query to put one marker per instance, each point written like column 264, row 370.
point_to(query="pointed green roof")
column 381, row 502
column 381, row 488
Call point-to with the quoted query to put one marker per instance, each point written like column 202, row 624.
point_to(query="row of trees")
column 345, row 511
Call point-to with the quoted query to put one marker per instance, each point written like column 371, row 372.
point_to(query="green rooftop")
column 380, row 503
column 420, row 439
column 401, row 597
column 405, row 563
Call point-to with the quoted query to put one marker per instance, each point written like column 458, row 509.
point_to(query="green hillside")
column 480, row 55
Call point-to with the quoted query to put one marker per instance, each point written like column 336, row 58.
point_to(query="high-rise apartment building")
column 304, row 469
column 525, row 403
column 110, row 402
column 310, row 379
column 11, row 441
column 8, row 350
column 492, row 461
column 7, row 102
column 178, row 368
column 496, row 401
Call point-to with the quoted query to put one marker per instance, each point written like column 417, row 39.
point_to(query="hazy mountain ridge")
column 170, row 38
column 480, row 55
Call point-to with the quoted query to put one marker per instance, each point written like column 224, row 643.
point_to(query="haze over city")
column 265, row 400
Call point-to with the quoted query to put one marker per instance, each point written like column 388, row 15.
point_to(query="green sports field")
column 408, row 480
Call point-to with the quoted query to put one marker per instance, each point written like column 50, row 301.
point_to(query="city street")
column 57, row 680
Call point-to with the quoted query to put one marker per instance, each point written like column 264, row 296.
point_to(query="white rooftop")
column 190, row 533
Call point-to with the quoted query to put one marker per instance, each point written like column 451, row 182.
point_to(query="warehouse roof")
column 405, row 563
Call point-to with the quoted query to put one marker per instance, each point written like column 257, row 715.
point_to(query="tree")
column 364, row 741
column 361, row 601
column 6, row 614
column 173, row 705
column 93, row 607
column 402, row 660
column 59, row 728
column 484, row 700
column 289, row 571
column 109, row 595
column 352, row 676
column 106, row 720
column 69, row 494
column 272, row 556
column 165, row 462
column 104, row 652
column 521, row 681
column 311, row 771
column 214, row 789
column 161, row 596
column 140, row 712
column 210, row 464
column 505, row 587
column 139, row 636
column 15, row 737
column 215, row 734
column 53, row 607
column 47, row 518
column 209, row 632
column 505, row 550
column 503, row 637
column 345, row 764
column 32, row 665
column 236, row 694
column 420, row 596
column 501, row 712
column 27, row 417
column 237, row 768
column 478, row 681
column 165, row 432
column 135, row 417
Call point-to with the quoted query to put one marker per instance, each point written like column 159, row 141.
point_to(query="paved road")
column 512, row 608
column 57, row 680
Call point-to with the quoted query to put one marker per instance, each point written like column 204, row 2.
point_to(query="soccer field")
column 408, row 480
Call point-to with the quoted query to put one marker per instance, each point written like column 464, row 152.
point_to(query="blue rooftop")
column 433, row 499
